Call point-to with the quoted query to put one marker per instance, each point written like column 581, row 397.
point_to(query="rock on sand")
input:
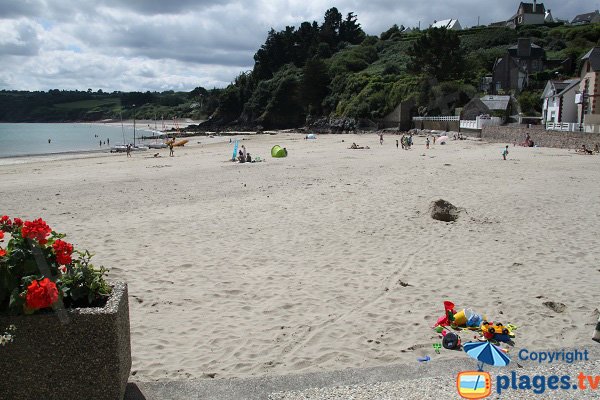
column 443, row 210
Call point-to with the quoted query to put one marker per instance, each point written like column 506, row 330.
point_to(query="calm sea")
column 32, row 139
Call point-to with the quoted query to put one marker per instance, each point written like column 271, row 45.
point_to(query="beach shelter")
column 486, row 353
column 278, row 152
column 442, row 139
column 311, row 136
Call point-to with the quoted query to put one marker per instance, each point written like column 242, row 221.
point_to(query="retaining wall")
column 438, row 125
column 540, row 136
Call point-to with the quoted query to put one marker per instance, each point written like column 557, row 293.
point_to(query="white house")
column 449, row 24
column 559, row 101
column 529, row 14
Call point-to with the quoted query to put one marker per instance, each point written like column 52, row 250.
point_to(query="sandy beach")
column 326, row 259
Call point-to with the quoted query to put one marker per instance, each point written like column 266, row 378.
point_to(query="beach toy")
column 439, row 329
column 451, row 341
column 449, row 308
column 474, row 320
column 495, row 331
column 424, row 359
column 437, row 347
column 460, row 318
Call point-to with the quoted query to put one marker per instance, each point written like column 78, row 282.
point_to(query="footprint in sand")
column 556, row 307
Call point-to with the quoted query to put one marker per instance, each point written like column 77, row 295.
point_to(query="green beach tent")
column 278, row 152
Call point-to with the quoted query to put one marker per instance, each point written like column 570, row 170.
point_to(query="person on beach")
column 101, row 143
column 585, row 150
column 381, row 139
column 108, row 141
column 403, row 142
column 505, row 152
column 171, row 152
column 128, row 149
column 427, row 143
column 244, row 151
column 241, row 157
column 433, row 139
column 49, row 140
column 396, row 143
column 248, row 158
column 410, row 141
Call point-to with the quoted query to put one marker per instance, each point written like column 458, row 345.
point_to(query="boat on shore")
column 122, row 148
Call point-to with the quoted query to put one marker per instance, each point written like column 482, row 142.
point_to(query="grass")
column 114, row 104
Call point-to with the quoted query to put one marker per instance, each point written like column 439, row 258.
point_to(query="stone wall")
column 540, row 136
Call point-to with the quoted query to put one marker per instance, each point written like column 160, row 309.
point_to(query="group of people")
column 528, row 142
column 585, row 150
column 406, row 141
column 106, row 142
column 244, row 156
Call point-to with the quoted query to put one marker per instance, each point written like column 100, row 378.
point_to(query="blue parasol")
column 486, row 353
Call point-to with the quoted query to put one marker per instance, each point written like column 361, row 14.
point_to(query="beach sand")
column 326, row 259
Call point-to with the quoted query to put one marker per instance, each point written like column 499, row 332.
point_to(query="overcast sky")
column 181, row 44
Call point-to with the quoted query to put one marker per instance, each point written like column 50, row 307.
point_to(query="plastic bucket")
column 448, row 305
column 460, row 318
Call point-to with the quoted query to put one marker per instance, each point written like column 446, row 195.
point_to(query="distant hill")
column 73, row 106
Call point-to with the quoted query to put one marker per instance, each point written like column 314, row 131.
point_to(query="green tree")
column 314, row 85
column 330, row 30
column 437, row 53
column 350, row 30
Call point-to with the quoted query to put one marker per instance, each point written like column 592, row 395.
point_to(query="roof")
column 496, row 102
column 594, row 57
column 447, row 23
column 585, row 18
column 562, row 87
column 510, row 60
column 528, row 8
column 536, row 51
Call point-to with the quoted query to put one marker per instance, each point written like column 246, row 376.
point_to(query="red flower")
column 18, row 222
column 36, row 229
column 41, row 294
column 2, row 252
column 63, row 251
column 1, row 235
column 4, row 220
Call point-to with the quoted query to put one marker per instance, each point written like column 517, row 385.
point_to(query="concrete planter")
column 85, row 354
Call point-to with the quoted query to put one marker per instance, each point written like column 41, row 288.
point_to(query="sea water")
column 36, row 139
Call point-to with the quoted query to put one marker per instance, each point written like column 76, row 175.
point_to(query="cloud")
column 19, row 37
column 180, row 44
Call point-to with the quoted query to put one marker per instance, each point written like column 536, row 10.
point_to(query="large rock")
column 443, row 210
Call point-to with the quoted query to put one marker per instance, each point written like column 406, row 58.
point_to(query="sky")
column 157, row 45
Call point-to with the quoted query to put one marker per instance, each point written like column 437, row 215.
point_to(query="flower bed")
column 39, row 270
column 73, row 337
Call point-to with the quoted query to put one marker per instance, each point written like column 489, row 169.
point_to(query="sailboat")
column 122, row 148
column 156, row 144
